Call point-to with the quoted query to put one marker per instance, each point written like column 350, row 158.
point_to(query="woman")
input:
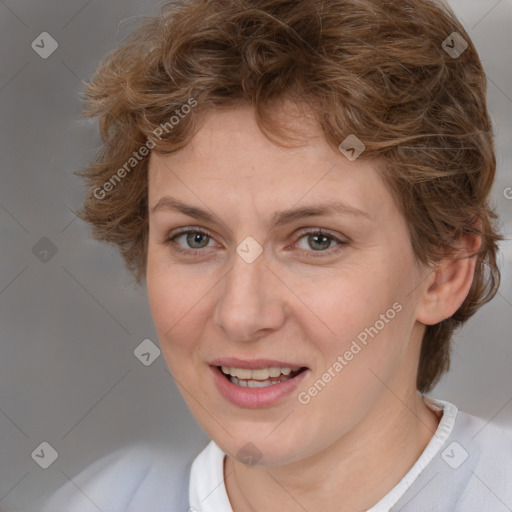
column 303, row 188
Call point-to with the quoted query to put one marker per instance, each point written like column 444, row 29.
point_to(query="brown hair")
column 377, row 69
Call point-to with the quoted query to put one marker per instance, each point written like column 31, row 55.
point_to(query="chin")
column 253, row 446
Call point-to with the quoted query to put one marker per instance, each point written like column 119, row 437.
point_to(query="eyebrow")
column 281, row 218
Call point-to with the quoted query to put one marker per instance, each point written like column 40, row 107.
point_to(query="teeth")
column 275, row 372
column 261, row 374
column 242, row 373
column 256, row 383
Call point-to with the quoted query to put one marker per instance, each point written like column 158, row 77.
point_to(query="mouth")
column 257, row 383
column 259, row 378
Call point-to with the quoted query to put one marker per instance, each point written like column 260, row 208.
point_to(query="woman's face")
column 342, row 303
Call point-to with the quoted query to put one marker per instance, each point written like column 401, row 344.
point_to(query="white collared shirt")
column 463, row 467
column 466, row 467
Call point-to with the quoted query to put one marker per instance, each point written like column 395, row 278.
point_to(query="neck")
column 351, row 475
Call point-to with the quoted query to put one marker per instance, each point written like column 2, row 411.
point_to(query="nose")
column 252, row 301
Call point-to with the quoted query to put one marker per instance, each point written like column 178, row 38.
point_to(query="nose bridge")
column 245, row 305
column 244, row 285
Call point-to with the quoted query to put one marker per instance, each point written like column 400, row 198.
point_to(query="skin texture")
column 357, row 438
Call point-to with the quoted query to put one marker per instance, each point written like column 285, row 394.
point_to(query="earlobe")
column 449, row 283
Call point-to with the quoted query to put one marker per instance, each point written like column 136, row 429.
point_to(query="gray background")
column 69, row 326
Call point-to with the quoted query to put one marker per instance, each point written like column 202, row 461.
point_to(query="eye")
column 320, row 241
column 194, row 238
column 197, row 239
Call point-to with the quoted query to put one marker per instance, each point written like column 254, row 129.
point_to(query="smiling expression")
column 333, row 255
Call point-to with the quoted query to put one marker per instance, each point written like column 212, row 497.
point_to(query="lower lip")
column 255, row 398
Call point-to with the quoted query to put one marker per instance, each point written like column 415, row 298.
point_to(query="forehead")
column 230, row 161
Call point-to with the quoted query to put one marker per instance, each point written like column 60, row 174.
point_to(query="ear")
column 449, row 282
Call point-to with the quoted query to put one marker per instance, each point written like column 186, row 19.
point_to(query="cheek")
column 365, row 350
column 175, row 302
column 360, row 315
column 341, row 305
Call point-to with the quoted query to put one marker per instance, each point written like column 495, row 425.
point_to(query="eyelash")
column 316, row 254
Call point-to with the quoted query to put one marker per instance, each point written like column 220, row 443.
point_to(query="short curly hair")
column 402, row 75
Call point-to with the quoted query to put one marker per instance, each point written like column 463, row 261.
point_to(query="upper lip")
column 255, row 364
